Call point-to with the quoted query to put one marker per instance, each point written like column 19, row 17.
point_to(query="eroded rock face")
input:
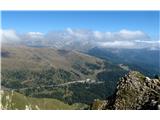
column 135, row 91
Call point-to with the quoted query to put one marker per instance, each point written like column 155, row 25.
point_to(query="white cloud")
column 153, row 45
column 122, row 35
column 117, row 44
column 9, row 36
column 35, row 34
column 79, row 34
column 70, row 31
column 132, row 35
column 78, row 37
column 98, row 34
column 32, row 36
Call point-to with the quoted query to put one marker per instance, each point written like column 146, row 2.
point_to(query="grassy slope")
column 36, row 58
column 14, row 100
column 29, row 58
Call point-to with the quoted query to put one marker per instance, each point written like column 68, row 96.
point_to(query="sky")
column 104, row 21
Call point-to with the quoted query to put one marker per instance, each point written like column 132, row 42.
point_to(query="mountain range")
column 67, row 73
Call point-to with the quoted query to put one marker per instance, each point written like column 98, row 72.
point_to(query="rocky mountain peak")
column 135, row 91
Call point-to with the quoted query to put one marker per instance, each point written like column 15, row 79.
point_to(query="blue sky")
column 44, row 21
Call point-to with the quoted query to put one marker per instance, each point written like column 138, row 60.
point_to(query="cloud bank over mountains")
column 82, row 38
column 9, row 36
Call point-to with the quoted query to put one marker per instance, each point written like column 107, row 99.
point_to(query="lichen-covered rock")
column 135, row 91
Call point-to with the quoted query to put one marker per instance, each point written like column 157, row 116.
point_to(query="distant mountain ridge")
column 143, row 60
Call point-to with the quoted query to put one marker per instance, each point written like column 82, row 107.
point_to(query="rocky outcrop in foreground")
column 134, row 92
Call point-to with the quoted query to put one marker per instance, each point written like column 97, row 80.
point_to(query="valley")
column 68, row 76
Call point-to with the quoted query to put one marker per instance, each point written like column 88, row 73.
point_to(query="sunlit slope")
column 14, row 100
column 18, row 57
column 35, row 59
